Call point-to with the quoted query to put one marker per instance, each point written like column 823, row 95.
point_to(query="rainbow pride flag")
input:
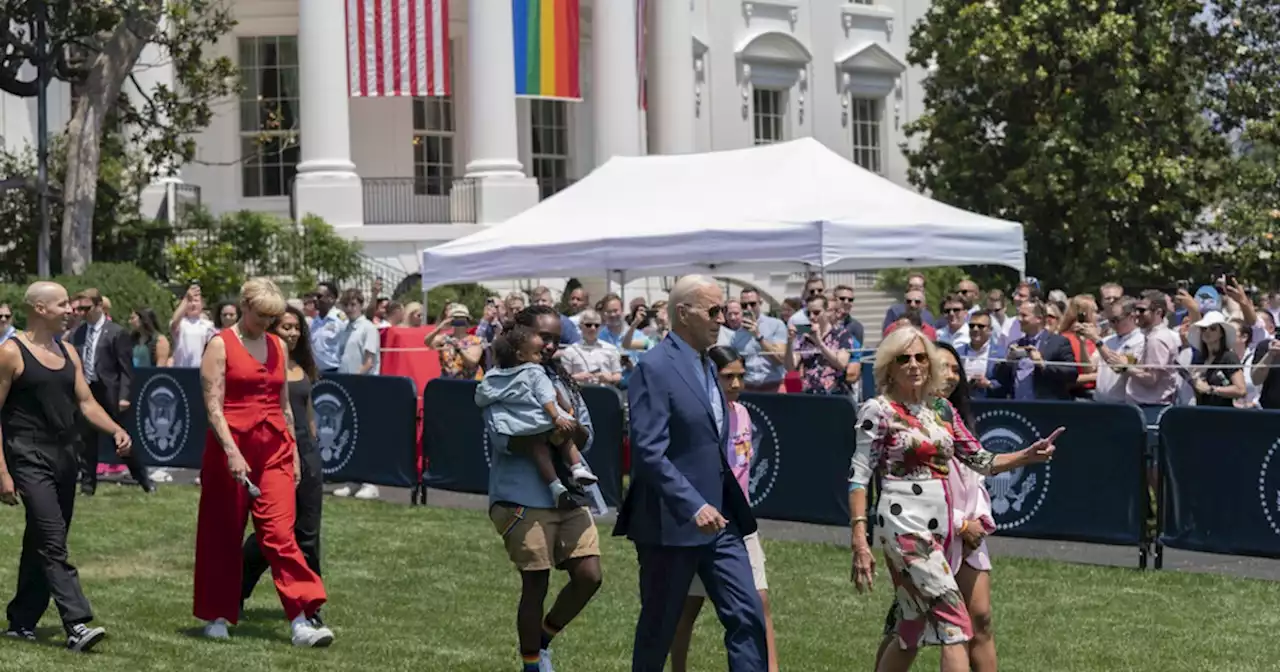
column 546, row 46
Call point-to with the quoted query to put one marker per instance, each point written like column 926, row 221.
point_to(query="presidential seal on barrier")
column 1269, row 487
column 337, row 424
column 1017, row 494
column 766, row 457
column 163, row 418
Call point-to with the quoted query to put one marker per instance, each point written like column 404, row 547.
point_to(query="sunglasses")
column 750, row 304
column 1139, row 309
column 815, row 313
column 954, row 310
column 915, row 302
column 979, row 325
column 6, row 316
column 590, row 325
column 844, row 299
column 919, row 357
column 83, row 309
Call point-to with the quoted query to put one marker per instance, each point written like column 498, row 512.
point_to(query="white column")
column 327, row 184
column 671, row 119
column 153, row 70
column 500, row 188
column 615, row 94
column 491, row 128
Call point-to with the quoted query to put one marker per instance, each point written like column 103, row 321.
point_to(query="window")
column 433, row 145
column 549, row 131
column 866, row 134
column 768, row 115
column 269, row 123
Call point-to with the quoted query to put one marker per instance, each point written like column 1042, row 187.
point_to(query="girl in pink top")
column 738, row 452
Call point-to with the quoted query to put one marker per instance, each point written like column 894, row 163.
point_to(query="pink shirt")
column 969, row 501
column 738, row 449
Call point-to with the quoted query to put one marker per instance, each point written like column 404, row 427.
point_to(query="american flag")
column 398, row 47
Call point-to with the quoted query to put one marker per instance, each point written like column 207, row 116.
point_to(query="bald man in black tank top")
column 42, row 386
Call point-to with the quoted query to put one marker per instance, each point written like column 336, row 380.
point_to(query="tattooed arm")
column 213, row 383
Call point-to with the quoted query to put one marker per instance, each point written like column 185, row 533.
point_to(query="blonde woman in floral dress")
column 910, row 434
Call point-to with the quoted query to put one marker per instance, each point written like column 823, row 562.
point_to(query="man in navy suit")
column 684, row 511
column 1027, row 376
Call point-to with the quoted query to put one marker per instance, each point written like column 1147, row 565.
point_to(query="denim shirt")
column 514, row 478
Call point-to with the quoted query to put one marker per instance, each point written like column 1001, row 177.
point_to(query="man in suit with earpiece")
column 684, row 511
column 107, row 353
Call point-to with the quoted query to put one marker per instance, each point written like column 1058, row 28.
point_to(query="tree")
column 120, row 233
column 94, row 45
column 1082, row 120
column 1244, row 105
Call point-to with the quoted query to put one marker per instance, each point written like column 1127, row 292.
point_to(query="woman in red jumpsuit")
column 251, row 467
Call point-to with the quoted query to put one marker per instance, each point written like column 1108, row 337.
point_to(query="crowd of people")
column 1216, row 347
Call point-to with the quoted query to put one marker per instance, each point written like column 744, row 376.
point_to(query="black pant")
column 306, row 526
column 91, row 438
column 45, row 476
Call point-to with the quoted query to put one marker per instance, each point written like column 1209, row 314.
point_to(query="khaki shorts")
column 755, row 555
column 540, row 539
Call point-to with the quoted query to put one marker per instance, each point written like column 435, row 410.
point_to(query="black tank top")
column 299, row 396
column 42, row 402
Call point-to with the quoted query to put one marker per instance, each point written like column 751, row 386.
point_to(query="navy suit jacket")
column 677, row 455
column 1050, row 382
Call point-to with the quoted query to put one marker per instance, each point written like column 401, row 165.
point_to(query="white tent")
column 760, row 209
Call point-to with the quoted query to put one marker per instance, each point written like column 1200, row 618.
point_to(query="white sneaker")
column 309, row 635
column 217, row 629
column 161, row 475
column 344, row 491
column 368, row 491
column 544, row 661
column 583, row 475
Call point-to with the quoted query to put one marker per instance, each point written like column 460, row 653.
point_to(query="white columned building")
column 671, row 78
column 615, row 80
column 502, row 188
column 327, row 184
column 403, row 174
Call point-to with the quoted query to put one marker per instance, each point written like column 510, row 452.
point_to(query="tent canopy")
column 792, row 205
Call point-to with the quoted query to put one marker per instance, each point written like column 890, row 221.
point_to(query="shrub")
column 125, row 285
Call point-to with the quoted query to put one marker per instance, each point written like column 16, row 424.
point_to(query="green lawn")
column 430, row 589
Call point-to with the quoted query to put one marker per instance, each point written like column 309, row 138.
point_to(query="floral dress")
column 816, row 373
column 912, row 446
column 452, row 365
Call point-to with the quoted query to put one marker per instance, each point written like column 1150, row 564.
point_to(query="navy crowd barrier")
column 803, row 444
column 1092, row 491
column 1221, row 481
column 366, row 424
column 458, row 452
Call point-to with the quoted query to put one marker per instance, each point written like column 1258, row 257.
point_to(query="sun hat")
column 1210, row 319
column 458, row 310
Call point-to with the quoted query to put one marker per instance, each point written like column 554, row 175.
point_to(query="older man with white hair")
column 680, row 484
column 42, row 389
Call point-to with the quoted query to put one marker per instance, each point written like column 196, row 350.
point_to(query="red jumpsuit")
column 253, row 410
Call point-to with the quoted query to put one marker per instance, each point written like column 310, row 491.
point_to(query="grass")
column 430, row 589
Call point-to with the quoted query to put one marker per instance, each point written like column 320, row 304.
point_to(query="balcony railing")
column 419, row 200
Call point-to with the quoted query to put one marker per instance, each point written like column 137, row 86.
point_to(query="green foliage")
column 125, row 285
column 470, row 295
column 938, row 282
column 1081, row 120
column 221, row 253
column 120, row 234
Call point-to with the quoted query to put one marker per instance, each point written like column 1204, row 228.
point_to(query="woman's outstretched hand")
column 1042, row 450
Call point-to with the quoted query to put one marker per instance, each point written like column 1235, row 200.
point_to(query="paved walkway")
column 1064, row 551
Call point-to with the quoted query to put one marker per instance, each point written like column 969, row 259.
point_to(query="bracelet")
column 856, row 520
column 964, row 526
